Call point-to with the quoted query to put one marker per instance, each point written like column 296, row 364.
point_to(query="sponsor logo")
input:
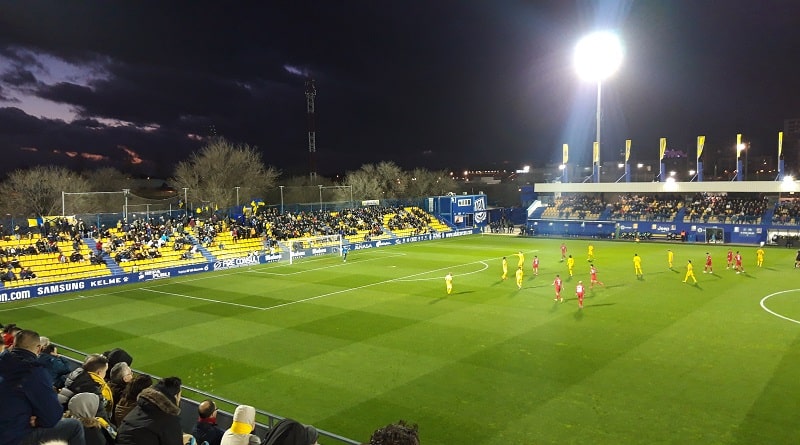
column 106, row 281
column 232, row 263
column 156, row 274
column 364, row 246
column 318, row 251
column 272, row 258
column 382, row 243
column 465, row 202
column 15, row 296
column 58, row 288
column 192, row 270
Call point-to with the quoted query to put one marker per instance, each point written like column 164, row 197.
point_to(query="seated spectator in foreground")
column 90, row 377
column 291, row 432
column 56, row 365
column 128, row 400
column 83, row 407
column 9, row 331
column 31, row 412
column 399, row 433
column 119, row 377
column 206, row 429
column 241, row 431
column 156, row 418
column 117, row 355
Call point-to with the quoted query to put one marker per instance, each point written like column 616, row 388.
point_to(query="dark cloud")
column 445, row 84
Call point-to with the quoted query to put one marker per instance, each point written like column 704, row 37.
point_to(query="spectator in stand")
column 241, row 430
column 119, row 377
column 117, row 355
column 290, row 432
column 9, row 331
column 9, row 275
column 399, row 433
column 156, row 418
column 27, row 274
column 90, row 377
column 127, row 402
column 56, row 365
column 83, row 407
column 31, row 412
column 206, row 429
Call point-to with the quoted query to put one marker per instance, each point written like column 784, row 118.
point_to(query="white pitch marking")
column 764, row 306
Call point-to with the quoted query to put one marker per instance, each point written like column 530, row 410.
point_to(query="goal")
column 312, row 246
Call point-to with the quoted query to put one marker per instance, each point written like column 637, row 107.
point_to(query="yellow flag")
column 739, row 146
column 33, row 222
column 627, row 150
column 596, row 152
column 780, row 144
column 662, row 147
column 701, row 141
column 565, row 153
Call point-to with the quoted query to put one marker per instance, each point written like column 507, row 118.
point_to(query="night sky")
column 440, row 84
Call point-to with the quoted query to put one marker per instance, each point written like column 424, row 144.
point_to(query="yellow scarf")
column 241, row 428
column 105, row 390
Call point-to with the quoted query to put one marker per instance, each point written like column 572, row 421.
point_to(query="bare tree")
column 364, row 182
column 37, row 191
column 424, row 182
column 221, row 170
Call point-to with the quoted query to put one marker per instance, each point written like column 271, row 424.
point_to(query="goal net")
column 300, row 248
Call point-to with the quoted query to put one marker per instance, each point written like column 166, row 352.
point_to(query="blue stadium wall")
column 460, row 211
column 694, row 232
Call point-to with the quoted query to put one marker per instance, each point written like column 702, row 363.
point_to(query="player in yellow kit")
column 448, row 281
column 521, row 261
column 760, row 257
column 519, row 277
column 689, row 272
column 505, row 268
column 570, row 264
column 670, row 257
column 637, row 265
column 590, row 255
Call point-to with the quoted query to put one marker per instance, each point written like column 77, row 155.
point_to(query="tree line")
column 221, row 175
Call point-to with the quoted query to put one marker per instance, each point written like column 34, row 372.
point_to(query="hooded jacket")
column 291, row 432
column 25, row 391
column 154, row 421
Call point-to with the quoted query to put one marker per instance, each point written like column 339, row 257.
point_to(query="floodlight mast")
column 597, row 56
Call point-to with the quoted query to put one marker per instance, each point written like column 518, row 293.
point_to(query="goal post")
column 311, row 246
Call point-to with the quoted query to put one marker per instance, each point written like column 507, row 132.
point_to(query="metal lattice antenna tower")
column 311, row 93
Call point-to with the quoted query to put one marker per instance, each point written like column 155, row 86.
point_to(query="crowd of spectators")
column 787, row 211
column 633, row 207
column 580, row 206
column 102, row 402
column 723, row 208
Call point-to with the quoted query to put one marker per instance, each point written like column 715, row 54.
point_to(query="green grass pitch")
column 353, row 346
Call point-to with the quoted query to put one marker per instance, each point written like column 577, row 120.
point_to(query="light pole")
column 281, row 187
column 237, row 197
column 598, row 56
column 320, row 197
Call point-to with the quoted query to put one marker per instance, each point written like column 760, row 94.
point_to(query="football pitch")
column 349, row 347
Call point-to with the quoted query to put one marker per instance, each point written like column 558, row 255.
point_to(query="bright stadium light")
column 598, row 56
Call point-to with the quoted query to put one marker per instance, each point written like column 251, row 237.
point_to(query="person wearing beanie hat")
column 83, row 407
column 291, row 432
column 156, row 418
column 240, row 432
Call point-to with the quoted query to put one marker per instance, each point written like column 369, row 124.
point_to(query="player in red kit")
column 737, row 259
column 730, row 259
column 536, row 265
column 579, row 293
column 708, row 268
column 593, row 274
column 557, row 285
column 563, row 251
